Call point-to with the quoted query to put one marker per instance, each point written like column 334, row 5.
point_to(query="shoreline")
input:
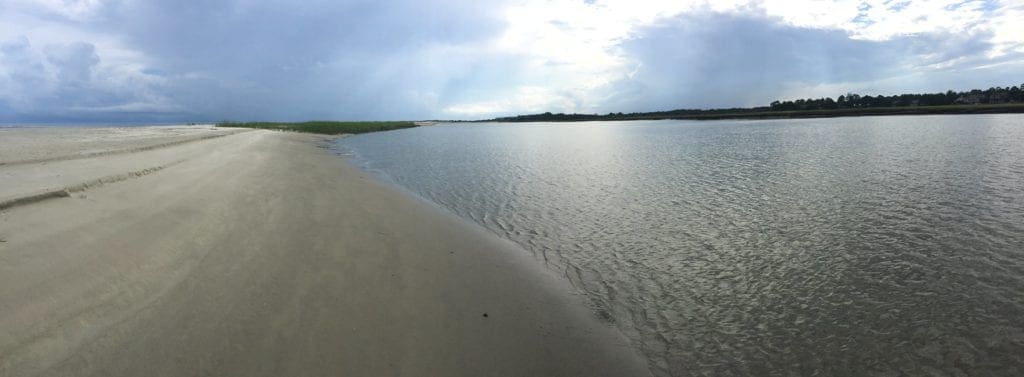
column 261, row 253
column 758, row 114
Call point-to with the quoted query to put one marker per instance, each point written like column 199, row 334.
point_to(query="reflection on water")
column 856, row 246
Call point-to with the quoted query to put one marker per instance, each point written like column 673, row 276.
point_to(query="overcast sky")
column 209, row 60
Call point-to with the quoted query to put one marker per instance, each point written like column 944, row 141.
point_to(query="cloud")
column 24, row 76
column 282, row 60
column 266, row 60
column 702, row 60
column 73, row 64
column 405, row 59
column 721, row 60
column 68, row 82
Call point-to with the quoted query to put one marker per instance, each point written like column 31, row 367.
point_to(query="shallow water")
column 850, row 246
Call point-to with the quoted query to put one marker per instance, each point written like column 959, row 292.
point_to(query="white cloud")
column 61, row 79
column 881, row 19
column 25, row 76
column 1007, row 27
column 573, row 47
column 74, row 10
column 526, row 99
column 886, row 19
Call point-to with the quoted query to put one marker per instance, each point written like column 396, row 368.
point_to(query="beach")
column 203, row 251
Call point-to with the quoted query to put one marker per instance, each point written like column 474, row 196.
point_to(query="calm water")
column 858, row 246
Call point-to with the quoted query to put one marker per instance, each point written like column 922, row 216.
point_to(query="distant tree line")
column 994, row 95
column 993, row 100
column 669, row 114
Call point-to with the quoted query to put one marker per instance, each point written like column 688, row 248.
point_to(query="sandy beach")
column 196, row 251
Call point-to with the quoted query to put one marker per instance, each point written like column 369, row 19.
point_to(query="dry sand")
column 260, row 254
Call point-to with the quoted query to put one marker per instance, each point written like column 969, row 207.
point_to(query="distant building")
column 998, row 97
column 968, row 99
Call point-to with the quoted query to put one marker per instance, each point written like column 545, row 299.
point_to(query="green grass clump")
column 323, row 127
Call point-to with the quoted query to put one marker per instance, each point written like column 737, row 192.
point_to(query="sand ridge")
column 32, row 145
column 69, row 167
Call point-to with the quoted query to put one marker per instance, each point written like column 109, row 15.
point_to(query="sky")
column 213, row 60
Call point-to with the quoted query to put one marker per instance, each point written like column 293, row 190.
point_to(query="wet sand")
column 258, row 253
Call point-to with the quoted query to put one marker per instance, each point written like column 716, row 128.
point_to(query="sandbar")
column 200, row 251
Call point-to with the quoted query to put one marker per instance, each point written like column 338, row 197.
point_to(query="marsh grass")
column 323, row 127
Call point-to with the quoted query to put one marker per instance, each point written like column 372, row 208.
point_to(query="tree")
column 998, row 94
column 829, row 104
column 866, row 101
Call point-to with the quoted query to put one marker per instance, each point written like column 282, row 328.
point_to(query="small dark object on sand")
column 485, row 314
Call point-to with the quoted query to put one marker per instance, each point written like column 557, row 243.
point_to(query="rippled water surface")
column 854, row 246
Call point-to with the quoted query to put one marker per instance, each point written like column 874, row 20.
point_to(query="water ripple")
column 862, row 246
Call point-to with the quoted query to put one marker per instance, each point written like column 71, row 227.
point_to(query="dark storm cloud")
column 272, row 60
column 322, row 59
column 723, row 60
